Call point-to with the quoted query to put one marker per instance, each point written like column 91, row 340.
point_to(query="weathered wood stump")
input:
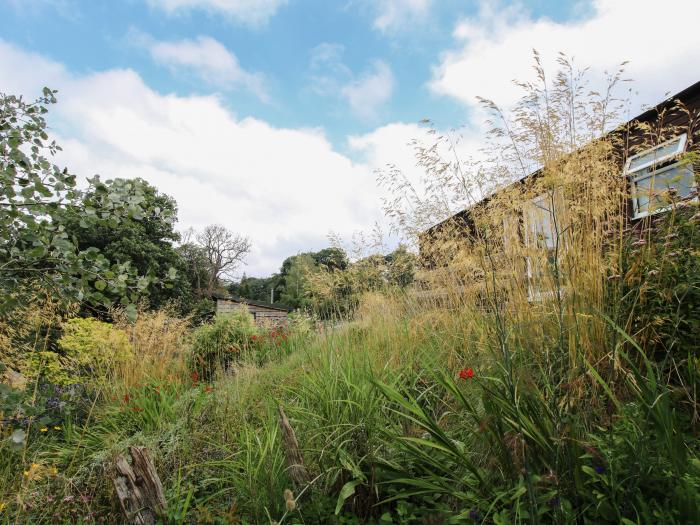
column 138, row 487
column 292, row 452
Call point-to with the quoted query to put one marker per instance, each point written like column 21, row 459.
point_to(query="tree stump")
column 138, row 487
column 292, row 452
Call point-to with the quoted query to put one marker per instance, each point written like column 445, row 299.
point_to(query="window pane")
column 656, row 153
column 652, row 192
column 540, row 228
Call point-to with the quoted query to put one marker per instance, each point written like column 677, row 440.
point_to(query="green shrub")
column 663, row 284
column 218, row 344
column 92, row 349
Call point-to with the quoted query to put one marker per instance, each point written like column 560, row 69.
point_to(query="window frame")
column 636, row 214
column 666, row 163
column 531, row 227
column 680, row 149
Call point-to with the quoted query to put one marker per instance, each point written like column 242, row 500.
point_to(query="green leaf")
column 345, row 492
column 130, row 312
column 100, row 285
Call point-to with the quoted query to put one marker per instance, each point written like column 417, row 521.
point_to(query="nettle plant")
column 37, row 199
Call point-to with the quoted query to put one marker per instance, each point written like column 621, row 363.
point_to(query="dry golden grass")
column 540, row 257
column 159, row 341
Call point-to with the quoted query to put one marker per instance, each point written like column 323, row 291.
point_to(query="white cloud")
column 395, row 147
column 494, row 47
column 286, row 188
column 394, row 15
column 371, row 91
column 251, row 12
column 207, row 58
column 365, row 94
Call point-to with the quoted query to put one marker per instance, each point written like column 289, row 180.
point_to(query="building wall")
column 260, row 313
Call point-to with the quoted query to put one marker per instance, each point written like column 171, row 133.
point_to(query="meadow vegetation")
column 523, row 374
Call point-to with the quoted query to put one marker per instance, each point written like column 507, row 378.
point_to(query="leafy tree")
column 146, row 241
column 38, row 199
column 257, row 288
column 296, row 278
column 401, row 266
column 331, row 259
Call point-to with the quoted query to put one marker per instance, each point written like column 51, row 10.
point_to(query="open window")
column 657, row 176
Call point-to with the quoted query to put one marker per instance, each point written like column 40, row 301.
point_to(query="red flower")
column 253, row 337
column 137, row 409
column 466, row 373
column 208, row 388
column 126, row 398
column 195, row 376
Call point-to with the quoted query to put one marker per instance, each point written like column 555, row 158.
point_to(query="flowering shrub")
column 220, row 343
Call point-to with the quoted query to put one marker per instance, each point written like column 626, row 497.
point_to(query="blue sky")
column 97, row 35
column 270, row 116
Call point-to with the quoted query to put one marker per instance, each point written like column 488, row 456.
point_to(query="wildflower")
column 126, row 398
column 208, row 388
column 466, row 373
column 43, row 429
column 474, row 514
column 137, row 409
column 195, row 376
column 652, row 273
column 599, row 469
column 253, row 337
column 554, row 502
column 2, row 506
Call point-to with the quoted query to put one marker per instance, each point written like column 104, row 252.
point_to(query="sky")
column 271, row 116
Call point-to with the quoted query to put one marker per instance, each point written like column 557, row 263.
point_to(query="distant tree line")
column 326, row 282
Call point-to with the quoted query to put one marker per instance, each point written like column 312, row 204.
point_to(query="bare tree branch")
column 225, row 251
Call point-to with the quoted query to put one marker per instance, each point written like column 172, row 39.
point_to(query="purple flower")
column 474, row 514
column 599, row 469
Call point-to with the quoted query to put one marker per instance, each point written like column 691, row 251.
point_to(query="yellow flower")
column 44, row 429
column 2, row 506
column 57, row 427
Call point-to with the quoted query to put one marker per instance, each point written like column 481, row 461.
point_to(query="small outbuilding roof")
column 243, row 300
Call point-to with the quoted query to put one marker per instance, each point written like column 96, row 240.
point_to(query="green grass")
column 389, row 434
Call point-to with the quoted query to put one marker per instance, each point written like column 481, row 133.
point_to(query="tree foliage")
column 145, row 242
column 38, row 199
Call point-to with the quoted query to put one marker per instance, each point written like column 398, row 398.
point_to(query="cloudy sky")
column 270, row 116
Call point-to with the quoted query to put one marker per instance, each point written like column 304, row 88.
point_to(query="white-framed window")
column 541, row 234
column 655, row 174
column 539, row 223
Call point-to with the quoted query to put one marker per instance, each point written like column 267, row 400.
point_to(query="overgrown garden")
column 517, row 376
